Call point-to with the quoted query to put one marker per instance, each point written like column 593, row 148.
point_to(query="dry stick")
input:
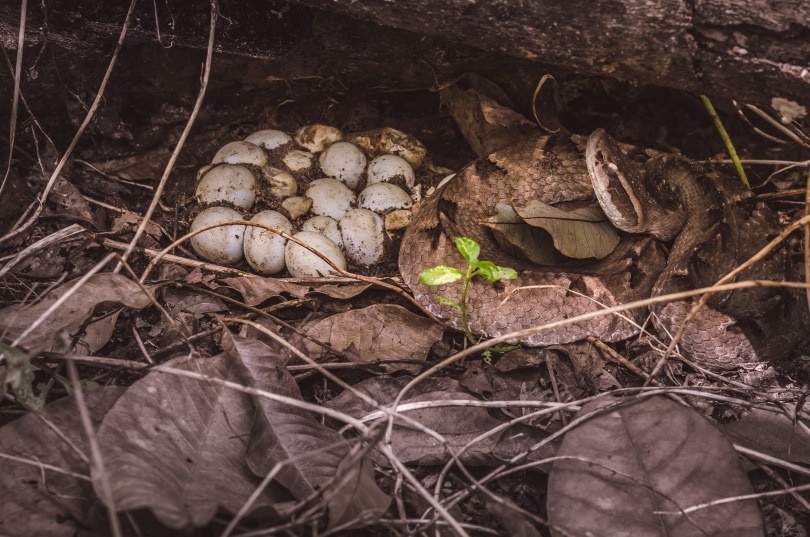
column 777, row 125
column 57, row 237
column 183, row 137
column 15, row 101
column 95, row 451
column 807, row 236
column 40, row 202
column 804, row 221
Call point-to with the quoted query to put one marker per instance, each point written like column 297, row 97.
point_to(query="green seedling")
column 444, row 274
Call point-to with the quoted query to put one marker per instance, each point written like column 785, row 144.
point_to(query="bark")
column 749, row 50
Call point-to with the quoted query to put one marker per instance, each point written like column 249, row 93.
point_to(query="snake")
column 682, row 226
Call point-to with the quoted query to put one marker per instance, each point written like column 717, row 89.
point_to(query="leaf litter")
column 226, row 432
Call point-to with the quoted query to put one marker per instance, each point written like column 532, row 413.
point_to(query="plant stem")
column 463, row 303
column 732, row 152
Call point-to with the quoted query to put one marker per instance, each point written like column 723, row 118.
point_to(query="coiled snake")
column 714, row 224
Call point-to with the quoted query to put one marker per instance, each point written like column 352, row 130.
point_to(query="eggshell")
column 325, row 226
column 229, row 184
column 269, row 138
column 317, row 137
column 264, row 250
column 382, row 197
column 363, row 237
column 330, row 197
column 344, row 161
column 221, row 244
column 298, row 161
column 241, row 153
column 302, row 263
column 387, row 168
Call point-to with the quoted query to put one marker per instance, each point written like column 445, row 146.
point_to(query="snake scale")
column 683, row 227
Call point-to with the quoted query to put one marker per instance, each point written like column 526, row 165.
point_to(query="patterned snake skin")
column 714, row 224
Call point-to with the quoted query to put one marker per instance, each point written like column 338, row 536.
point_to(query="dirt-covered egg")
column 317, row 137
column 229, row 184
column 363, row 237
column 222, row 244
column 325, row 226
column 330, row 197
column 297, row 206
column 241, row 153
column 303, row 263
column 282, row 184
column 383, row 197
column 298, row 161
column 264, row 249
column 388, row 168
column 269, row 138
column 344, row 161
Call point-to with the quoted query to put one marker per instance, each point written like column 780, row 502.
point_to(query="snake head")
column 633, row 196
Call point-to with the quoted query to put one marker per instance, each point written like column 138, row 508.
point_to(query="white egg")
column 221, row 244
column 382, row 197
column 324, row 225
column 363, row 237
column 230, row 184
column 317, row 137
column 297, row 160
column 344, row 161
column 264, row 249
column 297, row 206
column 330, row 197
column 269, row 138
column 241, row 153
column 385, row 168
column 282, row 184
column 302, row 263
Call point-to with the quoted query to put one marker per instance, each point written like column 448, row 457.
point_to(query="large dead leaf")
column 631, row 469
column 101, row 289
column 176, row 445
column 483, row 114
column 381, row 332
column 772, row 433
column 580, row 233
column 35, row 499
column 281, row 431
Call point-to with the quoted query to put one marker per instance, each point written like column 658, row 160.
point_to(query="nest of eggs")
column 348, row 198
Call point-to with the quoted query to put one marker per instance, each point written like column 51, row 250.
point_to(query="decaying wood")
column 748, row 50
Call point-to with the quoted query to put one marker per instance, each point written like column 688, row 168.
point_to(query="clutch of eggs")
column 343, row 196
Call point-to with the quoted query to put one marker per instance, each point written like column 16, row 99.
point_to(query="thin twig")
column 15, row 99
column 40, row 202
column 181, row 142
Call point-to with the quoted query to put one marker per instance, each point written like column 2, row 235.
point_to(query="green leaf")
column 468, row 248
column 440, row 275
column 493, row 272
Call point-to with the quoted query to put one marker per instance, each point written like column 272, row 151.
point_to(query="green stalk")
column 726, row 139
column 463, row 303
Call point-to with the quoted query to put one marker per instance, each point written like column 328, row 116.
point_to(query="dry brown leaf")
column 103, row 288
column 255, row 290
column 39, row 501
column 381, row 332
column 632, row 468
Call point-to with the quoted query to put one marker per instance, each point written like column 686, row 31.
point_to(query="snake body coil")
column 713, row 222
